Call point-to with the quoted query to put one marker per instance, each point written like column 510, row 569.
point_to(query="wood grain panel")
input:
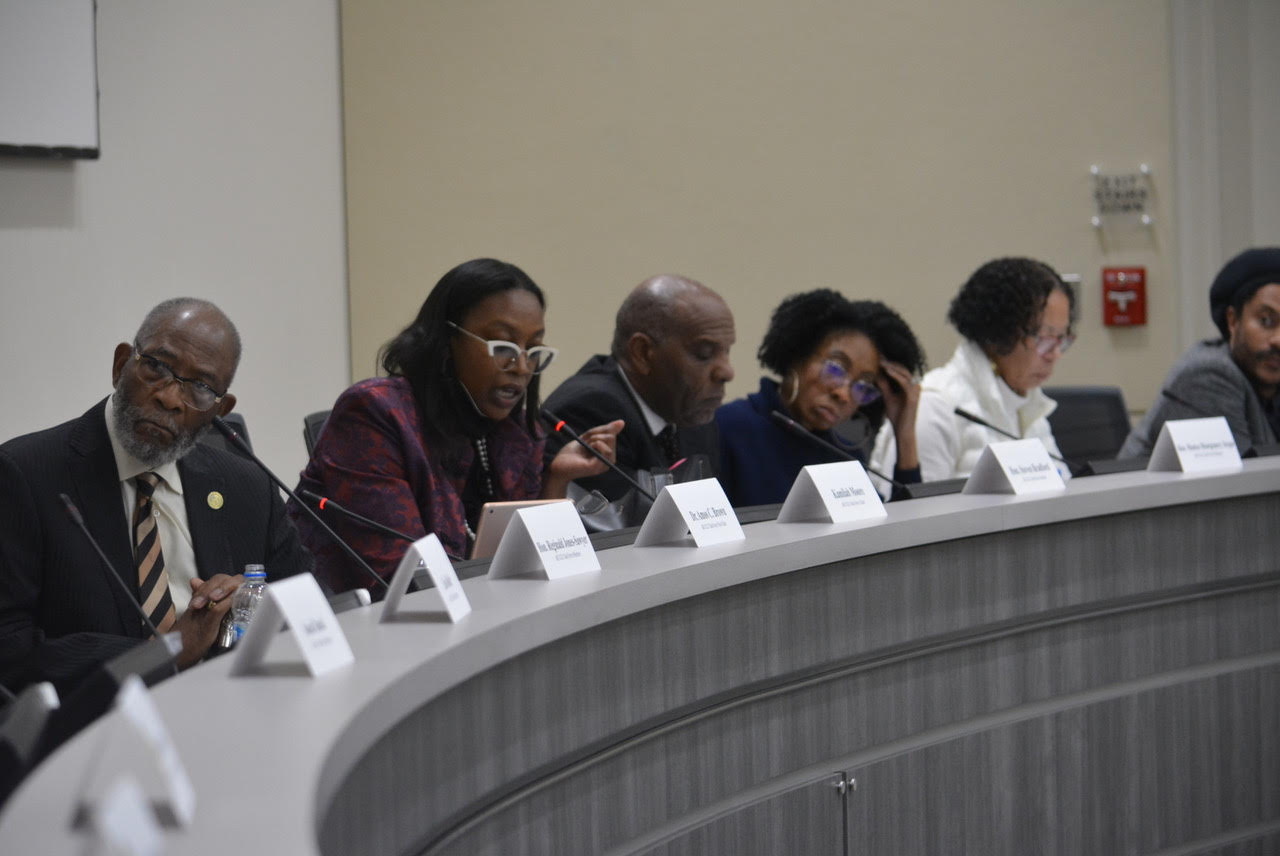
column 648, row 731
column 1143, row 774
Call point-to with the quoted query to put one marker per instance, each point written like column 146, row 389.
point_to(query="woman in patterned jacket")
column 454, row 425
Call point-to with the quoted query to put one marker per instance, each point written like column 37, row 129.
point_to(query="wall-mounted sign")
column 1121, row 196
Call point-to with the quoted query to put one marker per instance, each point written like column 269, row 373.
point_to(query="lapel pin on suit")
column 215, row 500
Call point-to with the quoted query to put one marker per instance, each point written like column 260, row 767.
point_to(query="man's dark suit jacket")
column 596, row 395
column 60, row 616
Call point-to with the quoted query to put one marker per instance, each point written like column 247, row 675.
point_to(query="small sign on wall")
column 1123, row 198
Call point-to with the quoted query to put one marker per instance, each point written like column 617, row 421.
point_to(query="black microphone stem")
column 78, row 519
column 323, row 502
column 978, row 420
column 230, row 434
column 1187, row 404
column 558, row 425
column 800, row 431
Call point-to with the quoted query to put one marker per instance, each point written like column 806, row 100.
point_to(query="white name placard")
column 136, row 708
column 298, row 603
column 123, row 824
column 832, row 493
column 136, row 745
column 697, row 508
column 27, row 715
column 429, row 553
column 548, row 541
column 1195, row 446
column 1014, row 466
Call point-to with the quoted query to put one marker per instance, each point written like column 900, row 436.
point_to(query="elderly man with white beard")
column 177, row 519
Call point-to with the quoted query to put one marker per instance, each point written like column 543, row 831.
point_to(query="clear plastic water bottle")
column 244, row 603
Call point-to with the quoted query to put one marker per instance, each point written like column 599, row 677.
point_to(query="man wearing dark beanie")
column 1236, row 376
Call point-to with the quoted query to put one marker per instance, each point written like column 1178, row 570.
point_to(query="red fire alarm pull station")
column 1124, row 296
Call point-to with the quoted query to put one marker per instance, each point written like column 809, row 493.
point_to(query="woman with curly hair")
column 836, row 358
column 1016, row 316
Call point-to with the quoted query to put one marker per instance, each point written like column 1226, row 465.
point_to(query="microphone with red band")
column 559, row 426
column 323, row 503
column 236, row 440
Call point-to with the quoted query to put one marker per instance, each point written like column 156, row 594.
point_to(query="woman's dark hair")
column 802, row 321
column 1002, row 302
column 421, row 354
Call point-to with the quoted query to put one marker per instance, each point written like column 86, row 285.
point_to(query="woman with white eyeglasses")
column 1016, row 316
column 847, row 373
column 453, row 426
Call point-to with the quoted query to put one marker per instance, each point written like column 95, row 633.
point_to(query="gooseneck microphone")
column 78, row 520
column 324, row 503
column 236, row 440
column 1187, row 404
column 800, row 431
column 978, row 420
column 559, row 426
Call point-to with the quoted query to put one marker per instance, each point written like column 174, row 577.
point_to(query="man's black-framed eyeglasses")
column 194, row 393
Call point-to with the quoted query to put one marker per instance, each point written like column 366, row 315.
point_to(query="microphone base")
column 942, row 487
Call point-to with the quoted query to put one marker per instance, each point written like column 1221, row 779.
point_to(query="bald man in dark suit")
column 178, row 544
column 665, row 376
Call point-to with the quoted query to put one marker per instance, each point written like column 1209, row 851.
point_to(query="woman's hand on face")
column 900, row 407
column 574, row 462
column 900, row 403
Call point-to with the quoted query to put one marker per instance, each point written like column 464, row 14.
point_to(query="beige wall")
column 764, row 147
column 1226, row 122
column 221, row 178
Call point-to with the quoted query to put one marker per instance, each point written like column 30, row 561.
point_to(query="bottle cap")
column 255, row 571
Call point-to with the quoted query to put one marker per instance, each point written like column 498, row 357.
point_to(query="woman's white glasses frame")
column 536, row 358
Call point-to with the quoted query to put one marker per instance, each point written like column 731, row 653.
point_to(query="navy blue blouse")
column 759, row 460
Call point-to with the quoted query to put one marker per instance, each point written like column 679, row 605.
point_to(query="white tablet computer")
column 494, row 517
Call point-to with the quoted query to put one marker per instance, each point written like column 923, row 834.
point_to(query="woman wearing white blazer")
column 1016, row 316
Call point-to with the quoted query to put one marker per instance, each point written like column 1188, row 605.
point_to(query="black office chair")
column 1091, row 422
column 312, row 425
column 213, row 437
